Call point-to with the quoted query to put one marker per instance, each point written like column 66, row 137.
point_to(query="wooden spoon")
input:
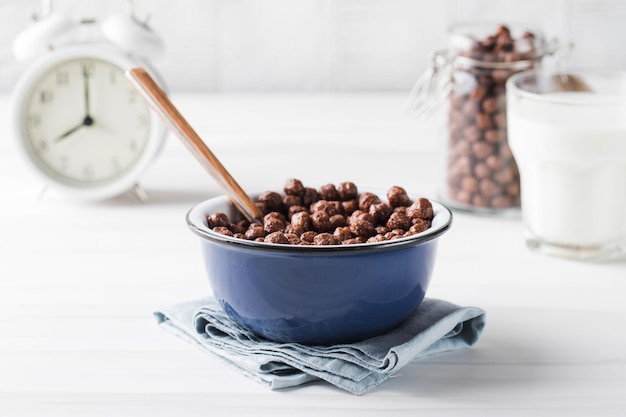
column 157, row 99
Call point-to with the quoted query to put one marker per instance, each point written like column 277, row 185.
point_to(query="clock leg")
column 41, row 193
column 140, row 193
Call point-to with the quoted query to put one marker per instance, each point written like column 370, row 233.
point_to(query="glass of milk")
column 567, row 132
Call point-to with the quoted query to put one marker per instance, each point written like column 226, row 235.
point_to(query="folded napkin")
column 436, row 326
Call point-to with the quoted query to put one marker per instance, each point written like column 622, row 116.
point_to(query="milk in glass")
column 570, row 148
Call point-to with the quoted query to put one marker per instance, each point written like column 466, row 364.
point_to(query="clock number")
column 115, row 165
column 133, row 145
column 63, row 78
column 46, row 96
column 132, row 96
column 42, row 146
column 33, row 120
column 113, row 77
column 143, row 120
column 88, row 172
column 63, row 163
column 88, row 69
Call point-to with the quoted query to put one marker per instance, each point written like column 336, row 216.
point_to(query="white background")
column 323, row 45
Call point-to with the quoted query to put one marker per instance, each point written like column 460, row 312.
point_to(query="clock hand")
column 87, row 108
column 87, row 121
column 69, row 132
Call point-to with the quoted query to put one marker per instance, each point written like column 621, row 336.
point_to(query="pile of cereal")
column 481, row 169
column 330, row 215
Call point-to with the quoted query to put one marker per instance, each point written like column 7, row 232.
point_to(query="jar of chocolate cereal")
column 481, row 175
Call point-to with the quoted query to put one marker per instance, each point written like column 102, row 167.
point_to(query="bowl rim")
column 196, row 221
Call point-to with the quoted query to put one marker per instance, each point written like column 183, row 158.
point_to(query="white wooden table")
column 79, row 282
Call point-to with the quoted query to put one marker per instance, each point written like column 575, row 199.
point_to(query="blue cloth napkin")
column 436, row 326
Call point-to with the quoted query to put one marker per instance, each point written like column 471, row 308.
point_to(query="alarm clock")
column 77, row 119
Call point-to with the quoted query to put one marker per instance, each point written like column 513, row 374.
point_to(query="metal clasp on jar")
column 432, row 87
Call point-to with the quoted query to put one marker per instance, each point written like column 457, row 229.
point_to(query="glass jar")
column 481, row 174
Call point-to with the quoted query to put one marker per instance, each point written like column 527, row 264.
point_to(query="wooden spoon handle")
column 158, row 100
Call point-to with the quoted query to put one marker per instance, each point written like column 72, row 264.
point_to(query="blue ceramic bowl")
column 317, row 294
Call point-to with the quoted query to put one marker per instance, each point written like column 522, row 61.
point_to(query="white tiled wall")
column 324, row 45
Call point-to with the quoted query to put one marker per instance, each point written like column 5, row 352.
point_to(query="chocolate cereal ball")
column 223, row 230
column 217, row 220
column 347, row 191
column 321, row 221
column 326, row 239
column 293, row 187
column 276, row 237
column 381, row 212
column 302, row 220
column 328, row 192
column 421, row 208
column 255, row 231
column 273, row 201
column 399, row 220
column 273, row 224
column 308, row 236
column 367, row 199
column 309, row 196
column 363, row 228
column 292, row 200
column 343, row 233
column 397, row 197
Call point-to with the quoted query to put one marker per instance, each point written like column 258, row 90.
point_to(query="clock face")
column 83, row 123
